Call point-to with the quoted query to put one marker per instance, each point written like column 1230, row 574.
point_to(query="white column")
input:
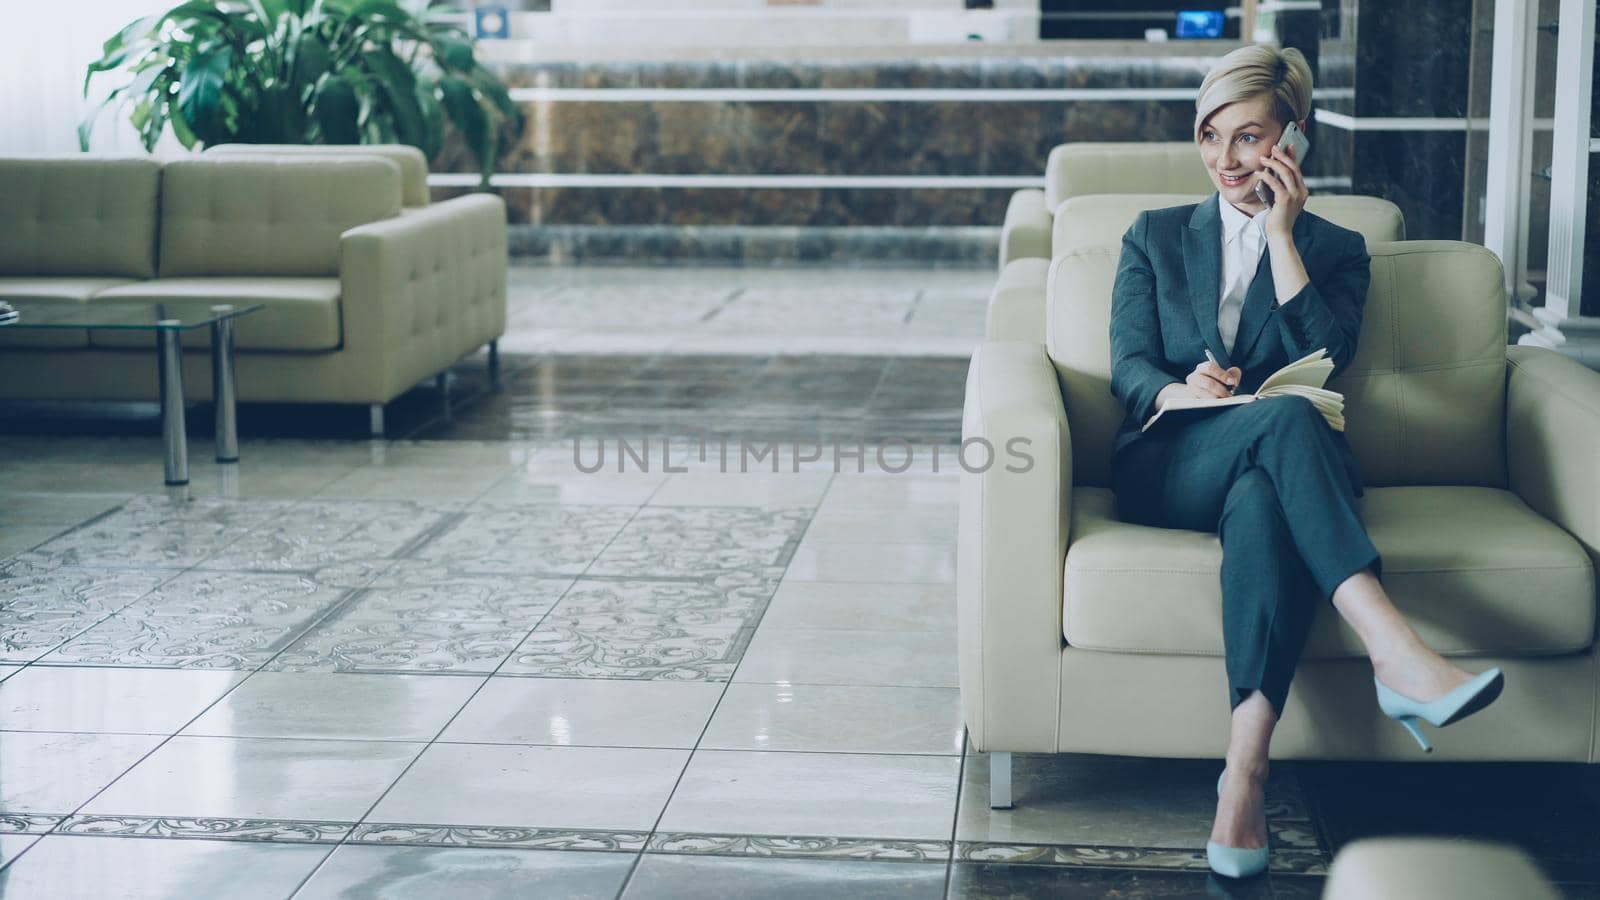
column 1569, row 164
column 1506, row 204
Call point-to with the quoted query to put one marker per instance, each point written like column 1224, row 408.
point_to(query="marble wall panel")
column 858, row 138
column 1421, row 172
column 612, row 137
column 1590, row 305
column 782, row 139
column 774, row 207
column 697, row 138
column 938, row 138
column 1412, row 59
column 1016, row 138
column 956, row 207
column 854, row 206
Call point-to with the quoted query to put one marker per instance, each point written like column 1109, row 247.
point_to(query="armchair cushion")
column 1474, row 569
column 301, row 313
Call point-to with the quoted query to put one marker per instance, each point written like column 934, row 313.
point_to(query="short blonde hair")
column 1249, row 72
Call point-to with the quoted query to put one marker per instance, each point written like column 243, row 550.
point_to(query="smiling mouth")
column 1234, row 182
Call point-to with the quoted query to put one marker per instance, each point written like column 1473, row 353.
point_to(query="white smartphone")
column 1292, row 137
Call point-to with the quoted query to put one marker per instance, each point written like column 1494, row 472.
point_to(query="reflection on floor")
column 461, row 666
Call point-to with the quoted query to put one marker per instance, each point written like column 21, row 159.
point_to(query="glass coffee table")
column 168, row 321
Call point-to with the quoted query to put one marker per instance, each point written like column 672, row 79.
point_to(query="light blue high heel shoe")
column 1235, row 862
column 1452, row 707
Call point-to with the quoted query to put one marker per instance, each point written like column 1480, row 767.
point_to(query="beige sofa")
column 362, row 303
column 1017, row 302
column 1074, row 170
column 1423, row 868
column 1080, row 633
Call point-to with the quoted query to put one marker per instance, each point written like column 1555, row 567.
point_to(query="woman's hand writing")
column 1207, row 380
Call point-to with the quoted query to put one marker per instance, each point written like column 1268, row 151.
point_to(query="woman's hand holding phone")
column 1281, row 172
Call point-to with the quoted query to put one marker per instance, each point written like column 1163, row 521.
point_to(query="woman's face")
column 1233, row 142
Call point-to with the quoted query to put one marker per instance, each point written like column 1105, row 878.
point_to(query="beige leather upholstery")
column 1016, row 307
column 1026, row 233
column 1418, row 868
column 268, row 216
column 1451, row 557
column 1116, row 168
column 413, row 165
column 79, row 216
column 1483, row 496
column 362, row 303
column 300, row 313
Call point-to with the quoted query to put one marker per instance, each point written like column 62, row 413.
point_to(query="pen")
column 1214, row 362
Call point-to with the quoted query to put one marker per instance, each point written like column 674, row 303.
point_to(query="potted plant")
column 307, row 72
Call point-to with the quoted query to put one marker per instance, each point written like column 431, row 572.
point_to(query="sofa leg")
column 375, row 419
column 999, row 781
column 494, row 364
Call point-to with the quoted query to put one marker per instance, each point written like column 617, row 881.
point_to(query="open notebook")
column 1304, row 377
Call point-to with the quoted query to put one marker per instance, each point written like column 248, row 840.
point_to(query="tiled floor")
column 462, row 667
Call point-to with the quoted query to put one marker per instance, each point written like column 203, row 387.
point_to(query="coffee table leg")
column 224, row 393
column 172, row 423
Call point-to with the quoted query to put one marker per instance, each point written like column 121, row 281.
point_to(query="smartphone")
column 1292, row 137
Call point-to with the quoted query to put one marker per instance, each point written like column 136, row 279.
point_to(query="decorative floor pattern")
column 462, row 666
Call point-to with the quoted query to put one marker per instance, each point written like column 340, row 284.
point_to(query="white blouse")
column 1244, row 239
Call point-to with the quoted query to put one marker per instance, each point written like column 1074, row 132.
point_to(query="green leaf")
column 469, row 117
column 338, row 111
column 312, row 58
column 200, row 89
column 432, row 119
column 133, row 38
column 453, row 53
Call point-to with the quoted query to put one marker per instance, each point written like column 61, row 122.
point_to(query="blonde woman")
column 1210, row 299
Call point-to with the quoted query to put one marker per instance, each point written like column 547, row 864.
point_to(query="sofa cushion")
column 413, row 165
column 50, row 290
column 79, row 216
column 1473, row 569
column 225, row 216
column 300, row 314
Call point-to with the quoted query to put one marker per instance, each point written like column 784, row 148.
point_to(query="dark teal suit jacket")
column 1164, row 306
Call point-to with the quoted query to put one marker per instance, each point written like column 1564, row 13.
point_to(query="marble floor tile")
column 426, row 484
column 834, row 794
column 42, row 606
column 409, row 594
column 986, row 881
column 596, row 713
column 906, row 525
column 216, row 777
column 336, row 705
column 143, row 701
column 402, row 647
column 1117, row 801
column 318, row 533
column 767, row 490
column 669, row 877
column 896, row 493
column 692, row 541
column 388, row 873
column 545, row 540
column 21, row 538
column 598, row 788
column 55, row 773
column 13, row 845
column 249, row 479
column 899, row 563
column 837, row 719
column 573, row 488
column 647, row 629
column 22, row 508
column 115, row 868
column 836, row 656
column 861, row 605
column 158, row 532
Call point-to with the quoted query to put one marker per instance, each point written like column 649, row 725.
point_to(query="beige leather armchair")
column 362, row 303
column 1081, row 633
column 1017, row 303
column 1074, row 170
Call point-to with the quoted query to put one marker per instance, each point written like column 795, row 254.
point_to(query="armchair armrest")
column 1026, row 233
column 421, row 289
column 1011, row 546
column 1017, row 303
column 1552, row 436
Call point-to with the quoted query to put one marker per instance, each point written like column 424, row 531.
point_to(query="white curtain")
column 45, row 46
